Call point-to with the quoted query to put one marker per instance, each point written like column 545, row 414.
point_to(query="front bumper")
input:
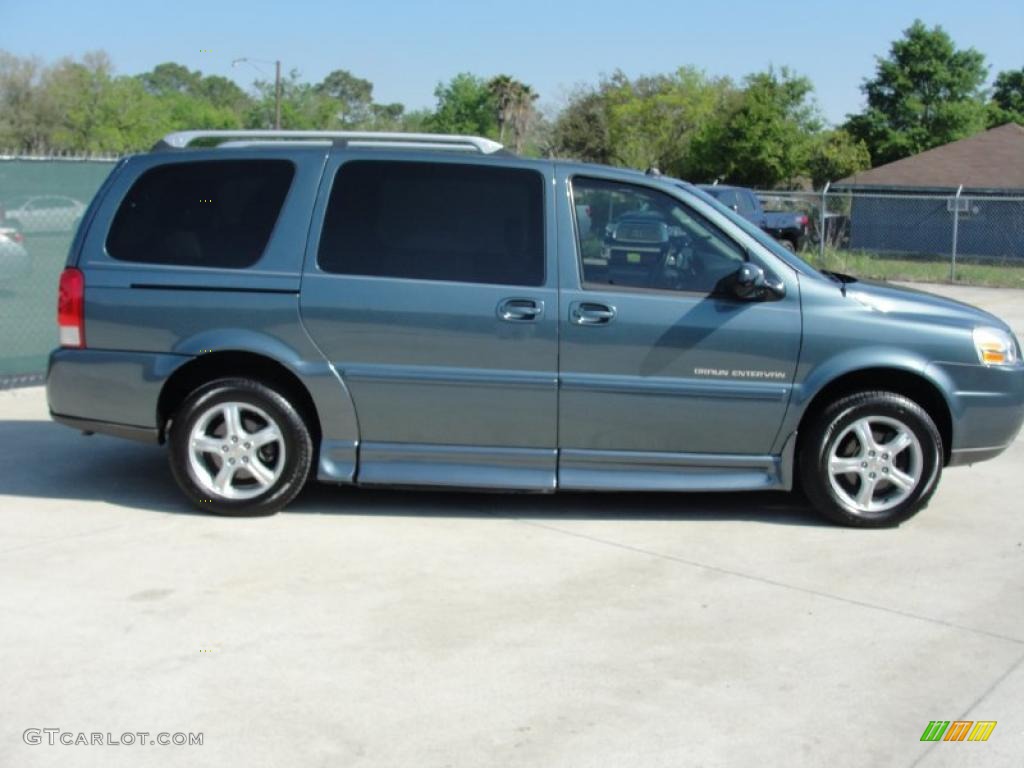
column 987, row 404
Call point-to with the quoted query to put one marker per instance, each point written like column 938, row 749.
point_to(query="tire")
column 853, row 434
column 788, row 245
column 211, row 428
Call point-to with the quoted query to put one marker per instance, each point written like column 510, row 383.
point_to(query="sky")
column 406, row 47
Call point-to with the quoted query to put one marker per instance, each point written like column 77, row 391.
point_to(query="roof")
column 991, row 160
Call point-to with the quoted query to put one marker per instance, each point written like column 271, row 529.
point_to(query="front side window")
column 746, row 206
column 435, row 221
column 642, row 238
column 217, row 213
column 726, row 197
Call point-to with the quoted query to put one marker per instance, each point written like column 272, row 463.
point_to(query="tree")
column 170, row 77
column 523, row 114
column 765, row 139
column 650, row 121
column 835, row 155
column 303, row 106
column 654, row 119
column 582, row 130
column 1007, row 105
column 97, row 112
column 503, row 91
column 353, row 95
column 26, row 116
column 513, row 103
column 925, row 93
column 223, row 93
column 464, row 105
column 187, row 99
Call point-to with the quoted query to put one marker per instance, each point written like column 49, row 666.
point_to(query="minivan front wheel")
column 871, row 459
column 238, row 447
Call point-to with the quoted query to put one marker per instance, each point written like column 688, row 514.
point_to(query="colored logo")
column 958, row 730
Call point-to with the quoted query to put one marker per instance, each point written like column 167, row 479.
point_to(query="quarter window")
column 642, row 238
column 435, row 221
column 210, row 214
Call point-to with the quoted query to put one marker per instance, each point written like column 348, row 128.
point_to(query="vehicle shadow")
column 45, row 460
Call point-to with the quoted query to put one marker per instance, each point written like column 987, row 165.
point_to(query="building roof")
column 992, row 160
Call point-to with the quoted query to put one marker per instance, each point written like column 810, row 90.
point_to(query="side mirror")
column 751, row 283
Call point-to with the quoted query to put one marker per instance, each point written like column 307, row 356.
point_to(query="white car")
column 45, row 213
column 14, row 259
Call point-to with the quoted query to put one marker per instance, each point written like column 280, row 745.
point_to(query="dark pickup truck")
column 788, row 227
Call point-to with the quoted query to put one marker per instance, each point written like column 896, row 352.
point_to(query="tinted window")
column 435, row 221
column 727, row 197
column 642, row 238
column 211, row 214
column 747, row 207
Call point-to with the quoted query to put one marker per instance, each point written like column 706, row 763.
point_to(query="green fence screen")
column 41, row 202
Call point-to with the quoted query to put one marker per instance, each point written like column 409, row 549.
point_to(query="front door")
column 666, row 381
column 431, row 287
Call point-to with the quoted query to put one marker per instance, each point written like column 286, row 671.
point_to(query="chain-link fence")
column 937, row 237
column 41, row 202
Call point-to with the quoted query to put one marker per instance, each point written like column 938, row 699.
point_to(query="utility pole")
column 277, row 83
column 277, row 95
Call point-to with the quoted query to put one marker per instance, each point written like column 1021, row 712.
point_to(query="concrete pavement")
column 375, row 628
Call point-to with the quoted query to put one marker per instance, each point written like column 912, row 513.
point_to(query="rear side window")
column 209, row 214
column 435, row 221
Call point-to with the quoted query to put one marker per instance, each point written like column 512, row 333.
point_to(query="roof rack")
column 182, row 139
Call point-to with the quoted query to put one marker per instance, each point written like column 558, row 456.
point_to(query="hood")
column 913, row 304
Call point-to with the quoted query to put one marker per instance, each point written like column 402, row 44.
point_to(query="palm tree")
column 503, row 90
column 523, row 113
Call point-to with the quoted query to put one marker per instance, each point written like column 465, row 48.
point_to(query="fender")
column 339, row 427
column 810, row 384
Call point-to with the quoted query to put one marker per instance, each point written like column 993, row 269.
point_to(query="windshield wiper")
column 840, row 278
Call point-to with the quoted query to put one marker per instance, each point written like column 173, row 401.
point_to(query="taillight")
column 803, row 221
column 71, row 308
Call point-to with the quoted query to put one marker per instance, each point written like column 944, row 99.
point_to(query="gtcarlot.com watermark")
column 54, row 736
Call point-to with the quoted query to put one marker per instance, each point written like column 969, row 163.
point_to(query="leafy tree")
column 386, row 117
column 303, row 106
column 187, row 99
column 1007, row 105
column 222, row 92
column 925, row 93
column 464, row 105
column 765, row 139
column 417, row 121
column 170, row 77
column 582, row 130
column 26, row 116
column 835, row 155
column 653, row 120
column 98, row 112
column 354, row 97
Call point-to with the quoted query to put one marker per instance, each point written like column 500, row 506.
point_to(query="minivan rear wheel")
column 238, row 447
column 871, row 459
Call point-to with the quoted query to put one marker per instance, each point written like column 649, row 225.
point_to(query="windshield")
column 755, row 232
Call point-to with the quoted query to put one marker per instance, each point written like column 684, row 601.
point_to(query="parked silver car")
column 14, row 259
column 45, row 213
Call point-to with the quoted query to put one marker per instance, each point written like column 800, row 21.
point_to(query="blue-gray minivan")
column 421, row 310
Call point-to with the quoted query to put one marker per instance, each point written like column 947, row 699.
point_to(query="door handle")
column 591, row 313
column 520, row 310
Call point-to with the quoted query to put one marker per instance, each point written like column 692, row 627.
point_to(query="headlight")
column 995, row 346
